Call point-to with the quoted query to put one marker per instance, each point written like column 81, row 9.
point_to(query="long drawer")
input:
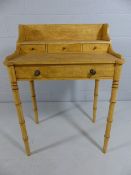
column 65, row 71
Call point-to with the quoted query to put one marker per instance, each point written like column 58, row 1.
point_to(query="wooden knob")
column 37, row 72
column 92, row 71
column 94, row 48
column 64, row 48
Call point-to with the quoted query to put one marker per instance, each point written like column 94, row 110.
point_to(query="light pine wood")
column 103, row 71
column 95, row 99
column 64, row 48
column 113, row 98
column 17, row 102
column 111, row 51
column 60, row 32
column 105, row 32
column 24, row 49
column 95, row 48
column 75, row 41
column 34, row 103
column 64, row 52
column 63, row 58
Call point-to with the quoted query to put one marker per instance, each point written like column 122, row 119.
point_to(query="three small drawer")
column 65, row 48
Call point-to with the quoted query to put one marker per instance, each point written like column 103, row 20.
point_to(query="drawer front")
column 66, row 72
column 64, row 48
column 98, row 48
column 31, row 48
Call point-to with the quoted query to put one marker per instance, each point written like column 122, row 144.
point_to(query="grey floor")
column 66, row 142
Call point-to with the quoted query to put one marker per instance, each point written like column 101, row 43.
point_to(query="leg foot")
column 110, row 115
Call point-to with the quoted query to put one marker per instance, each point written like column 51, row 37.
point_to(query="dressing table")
column 64, row 52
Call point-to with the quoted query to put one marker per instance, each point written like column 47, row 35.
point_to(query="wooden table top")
column 61, row 58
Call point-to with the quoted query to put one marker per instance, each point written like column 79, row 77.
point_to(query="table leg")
column 17, row 101
column 95, row 99
column 34, row 103
column 113, row 98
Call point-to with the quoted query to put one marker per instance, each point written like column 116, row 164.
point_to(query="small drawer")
column 32, row 47
column 65, row 72
column 61, row 48
column 100, row 48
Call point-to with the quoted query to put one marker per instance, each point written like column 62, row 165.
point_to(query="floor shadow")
column 31, row 117
column 84, row 133
column 11, row 140
column 73, row 123
column 64, row 111
column 55, row 115
column 78, row 106
column 58, row 143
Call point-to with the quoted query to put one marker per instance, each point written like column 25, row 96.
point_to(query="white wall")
column 115, row 12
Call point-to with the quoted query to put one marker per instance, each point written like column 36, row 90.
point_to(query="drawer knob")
column 37, row 72
column 94, row 48
column 64, row 48
column 92, row 71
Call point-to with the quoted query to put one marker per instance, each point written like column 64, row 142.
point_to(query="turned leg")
column 20, row 116
column 32, row 88
column 17, row 102
column 112, row 106
column 95, row 99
